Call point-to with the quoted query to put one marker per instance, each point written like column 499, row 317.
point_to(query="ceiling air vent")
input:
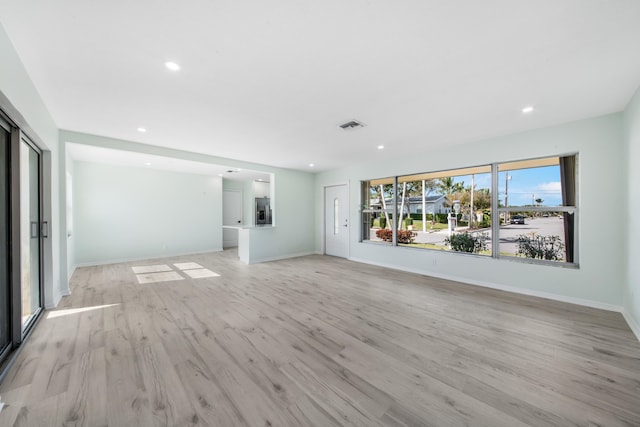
column 353, row 124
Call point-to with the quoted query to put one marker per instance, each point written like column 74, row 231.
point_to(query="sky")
column 524, row 186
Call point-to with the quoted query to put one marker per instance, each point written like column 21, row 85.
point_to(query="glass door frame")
column 19, row 333
column 10, row 344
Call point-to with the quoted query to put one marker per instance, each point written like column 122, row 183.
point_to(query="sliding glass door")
column 5, row 282
column 30, row 253
column 21, row 280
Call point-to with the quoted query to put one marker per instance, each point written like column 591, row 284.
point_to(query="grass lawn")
column 417, row 225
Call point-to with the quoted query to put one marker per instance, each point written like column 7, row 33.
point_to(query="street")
column 550, row 226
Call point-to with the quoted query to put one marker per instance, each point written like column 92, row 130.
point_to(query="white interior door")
column 231, row 216
column 336, row 231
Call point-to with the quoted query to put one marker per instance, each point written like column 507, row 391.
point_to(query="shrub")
column 380, row 222
column 404, row 236
column 536, row 246
column 467, row 242
column 385, row 234
column 442, row 218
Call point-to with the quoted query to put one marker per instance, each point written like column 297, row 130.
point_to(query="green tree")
column 448, row 188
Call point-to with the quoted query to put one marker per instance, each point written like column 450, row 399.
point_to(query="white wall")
column 632, row 249
column 125, row 213
column 20, row 99
column 598, row 280
column 294, row 234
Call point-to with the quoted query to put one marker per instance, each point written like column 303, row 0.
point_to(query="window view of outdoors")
column 378, row 217
column 452, row 210
column 535, row 197
column 437, row 210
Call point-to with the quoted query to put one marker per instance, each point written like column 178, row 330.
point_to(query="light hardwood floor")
column 317, row 341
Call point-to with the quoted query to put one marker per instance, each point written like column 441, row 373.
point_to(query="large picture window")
column 518, row 210
column 537, row 208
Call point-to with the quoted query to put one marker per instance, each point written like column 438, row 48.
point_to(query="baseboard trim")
column 281, row 257
column 63, row 293
column 147, row 258
column 55, row 303
column 506, row 288
column 635, row 328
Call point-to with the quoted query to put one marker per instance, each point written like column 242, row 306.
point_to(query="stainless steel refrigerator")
column 263, row 211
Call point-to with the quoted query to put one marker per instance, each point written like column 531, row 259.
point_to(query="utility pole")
column 472, row 214
column 506, row 197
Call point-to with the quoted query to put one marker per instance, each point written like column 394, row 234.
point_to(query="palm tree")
column 448, row 188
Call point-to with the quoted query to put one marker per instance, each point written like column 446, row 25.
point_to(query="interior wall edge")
column 635, row 328
column 75, row 137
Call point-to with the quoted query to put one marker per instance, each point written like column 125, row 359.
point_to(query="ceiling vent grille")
column 353, row 124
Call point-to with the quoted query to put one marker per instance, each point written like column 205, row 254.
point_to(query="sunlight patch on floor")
column 165, row 276
column 151, row 268
column 166, row 273
column 201, row 273
column 65, row 312
column 187, row 265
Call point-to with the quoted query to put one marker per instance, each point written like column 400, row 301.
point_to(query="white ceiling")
column 87, row 153
column 269, row 82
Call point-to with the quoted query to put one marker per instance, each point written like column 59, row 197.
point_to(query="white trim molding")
column 635, row 328
column 512, row 289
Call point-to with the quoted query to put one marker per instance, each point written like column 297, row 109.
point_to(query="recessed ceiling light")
column 142, row 130
column 220, row 174
column 380, row 147
column 527, row 110
column 147, row 164
column 172, row 66
column 311, row 165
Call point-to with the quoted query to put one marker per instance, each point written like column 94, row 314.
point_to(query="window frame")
column 496, row 209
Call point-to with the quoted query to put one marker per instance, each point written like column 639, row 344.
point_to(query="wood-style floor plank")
column 317, row 341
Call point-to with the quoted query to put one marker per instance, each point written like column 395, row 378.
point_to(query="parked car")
column 517, row 219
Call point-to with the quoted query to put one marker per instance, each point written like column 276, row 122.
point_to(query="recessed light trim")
column 528, row 109
column 172, row 66
column 311, row 165
column 147, row 164
column 141, row 130
column 380, row 147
